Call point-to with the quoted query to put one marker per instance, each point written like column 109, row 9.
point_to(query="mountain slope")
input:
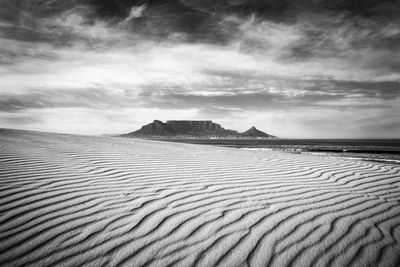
column 200, row 129
column 254, row 132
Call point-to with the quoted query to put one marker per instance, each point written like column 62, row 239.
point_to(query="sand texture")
column 100, row 201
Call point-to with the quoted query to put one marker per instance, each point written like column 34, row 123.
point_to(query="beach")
column 69, row 200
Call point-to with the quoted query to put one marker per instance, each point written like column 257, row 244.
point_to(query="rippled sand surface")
column 99, row 201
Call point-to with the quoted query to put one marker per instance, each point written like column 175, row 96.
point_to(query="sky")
column 294, row 69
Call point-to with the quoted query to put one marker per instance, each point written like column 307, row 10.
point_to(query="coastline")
column 373, row 150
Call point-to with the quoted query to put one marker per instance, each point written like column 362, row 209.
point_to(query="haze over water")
column 381, row 150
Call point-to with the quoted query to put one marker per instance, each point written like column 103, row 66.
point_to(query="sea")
column 376, row 150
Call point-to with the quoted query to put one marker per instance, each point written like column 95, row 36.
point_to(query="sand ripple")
column 97, row 201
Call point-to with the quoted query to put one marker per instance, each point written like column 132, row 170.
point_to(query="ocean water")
column 378, row 150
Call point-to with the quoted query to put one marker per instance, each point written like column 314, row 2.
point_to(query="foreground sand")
column 100, row 201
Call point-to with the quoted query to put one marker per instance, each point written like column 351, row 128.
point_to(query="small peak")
column 253, row 128
column 157, row 121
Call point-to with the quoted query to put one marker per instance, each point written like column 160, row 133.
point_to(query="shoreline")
column 363, row 149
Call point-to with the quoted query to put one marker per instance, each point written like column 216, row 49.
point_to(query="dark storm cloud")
column 285, row 10
column 26, row 20
column 328, row 29
column 324, row 24
column 192, row 17
column 213, row 57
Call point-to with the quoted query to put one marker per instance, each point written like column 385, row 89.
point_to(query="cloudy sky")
column 296, row 69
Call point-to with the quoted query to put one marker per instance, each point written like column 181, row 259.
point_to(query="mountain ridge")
column 191, row 128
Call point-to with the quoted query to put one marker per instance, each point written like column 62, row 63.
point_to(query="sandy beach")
column 70, row 200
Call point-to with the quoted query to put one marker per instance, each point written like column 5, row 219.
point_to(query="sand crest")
column 101, row 201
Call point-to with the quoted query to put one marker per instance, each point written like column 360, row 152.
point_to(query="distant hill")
column 254, row 132
column 194, row 129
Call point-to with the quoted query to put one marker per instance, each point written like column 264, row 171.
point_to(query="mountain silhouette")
column 188, row 128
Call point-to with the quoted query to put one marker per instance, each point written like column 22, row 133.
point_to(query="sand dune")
column 100, row 201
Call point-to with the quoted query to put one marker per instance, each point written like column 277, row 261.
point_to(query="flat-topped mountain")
column 199, row 129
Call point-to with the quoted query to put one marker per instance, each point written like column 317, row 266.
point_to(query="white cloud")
column 103, row 55
column 136, row 12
